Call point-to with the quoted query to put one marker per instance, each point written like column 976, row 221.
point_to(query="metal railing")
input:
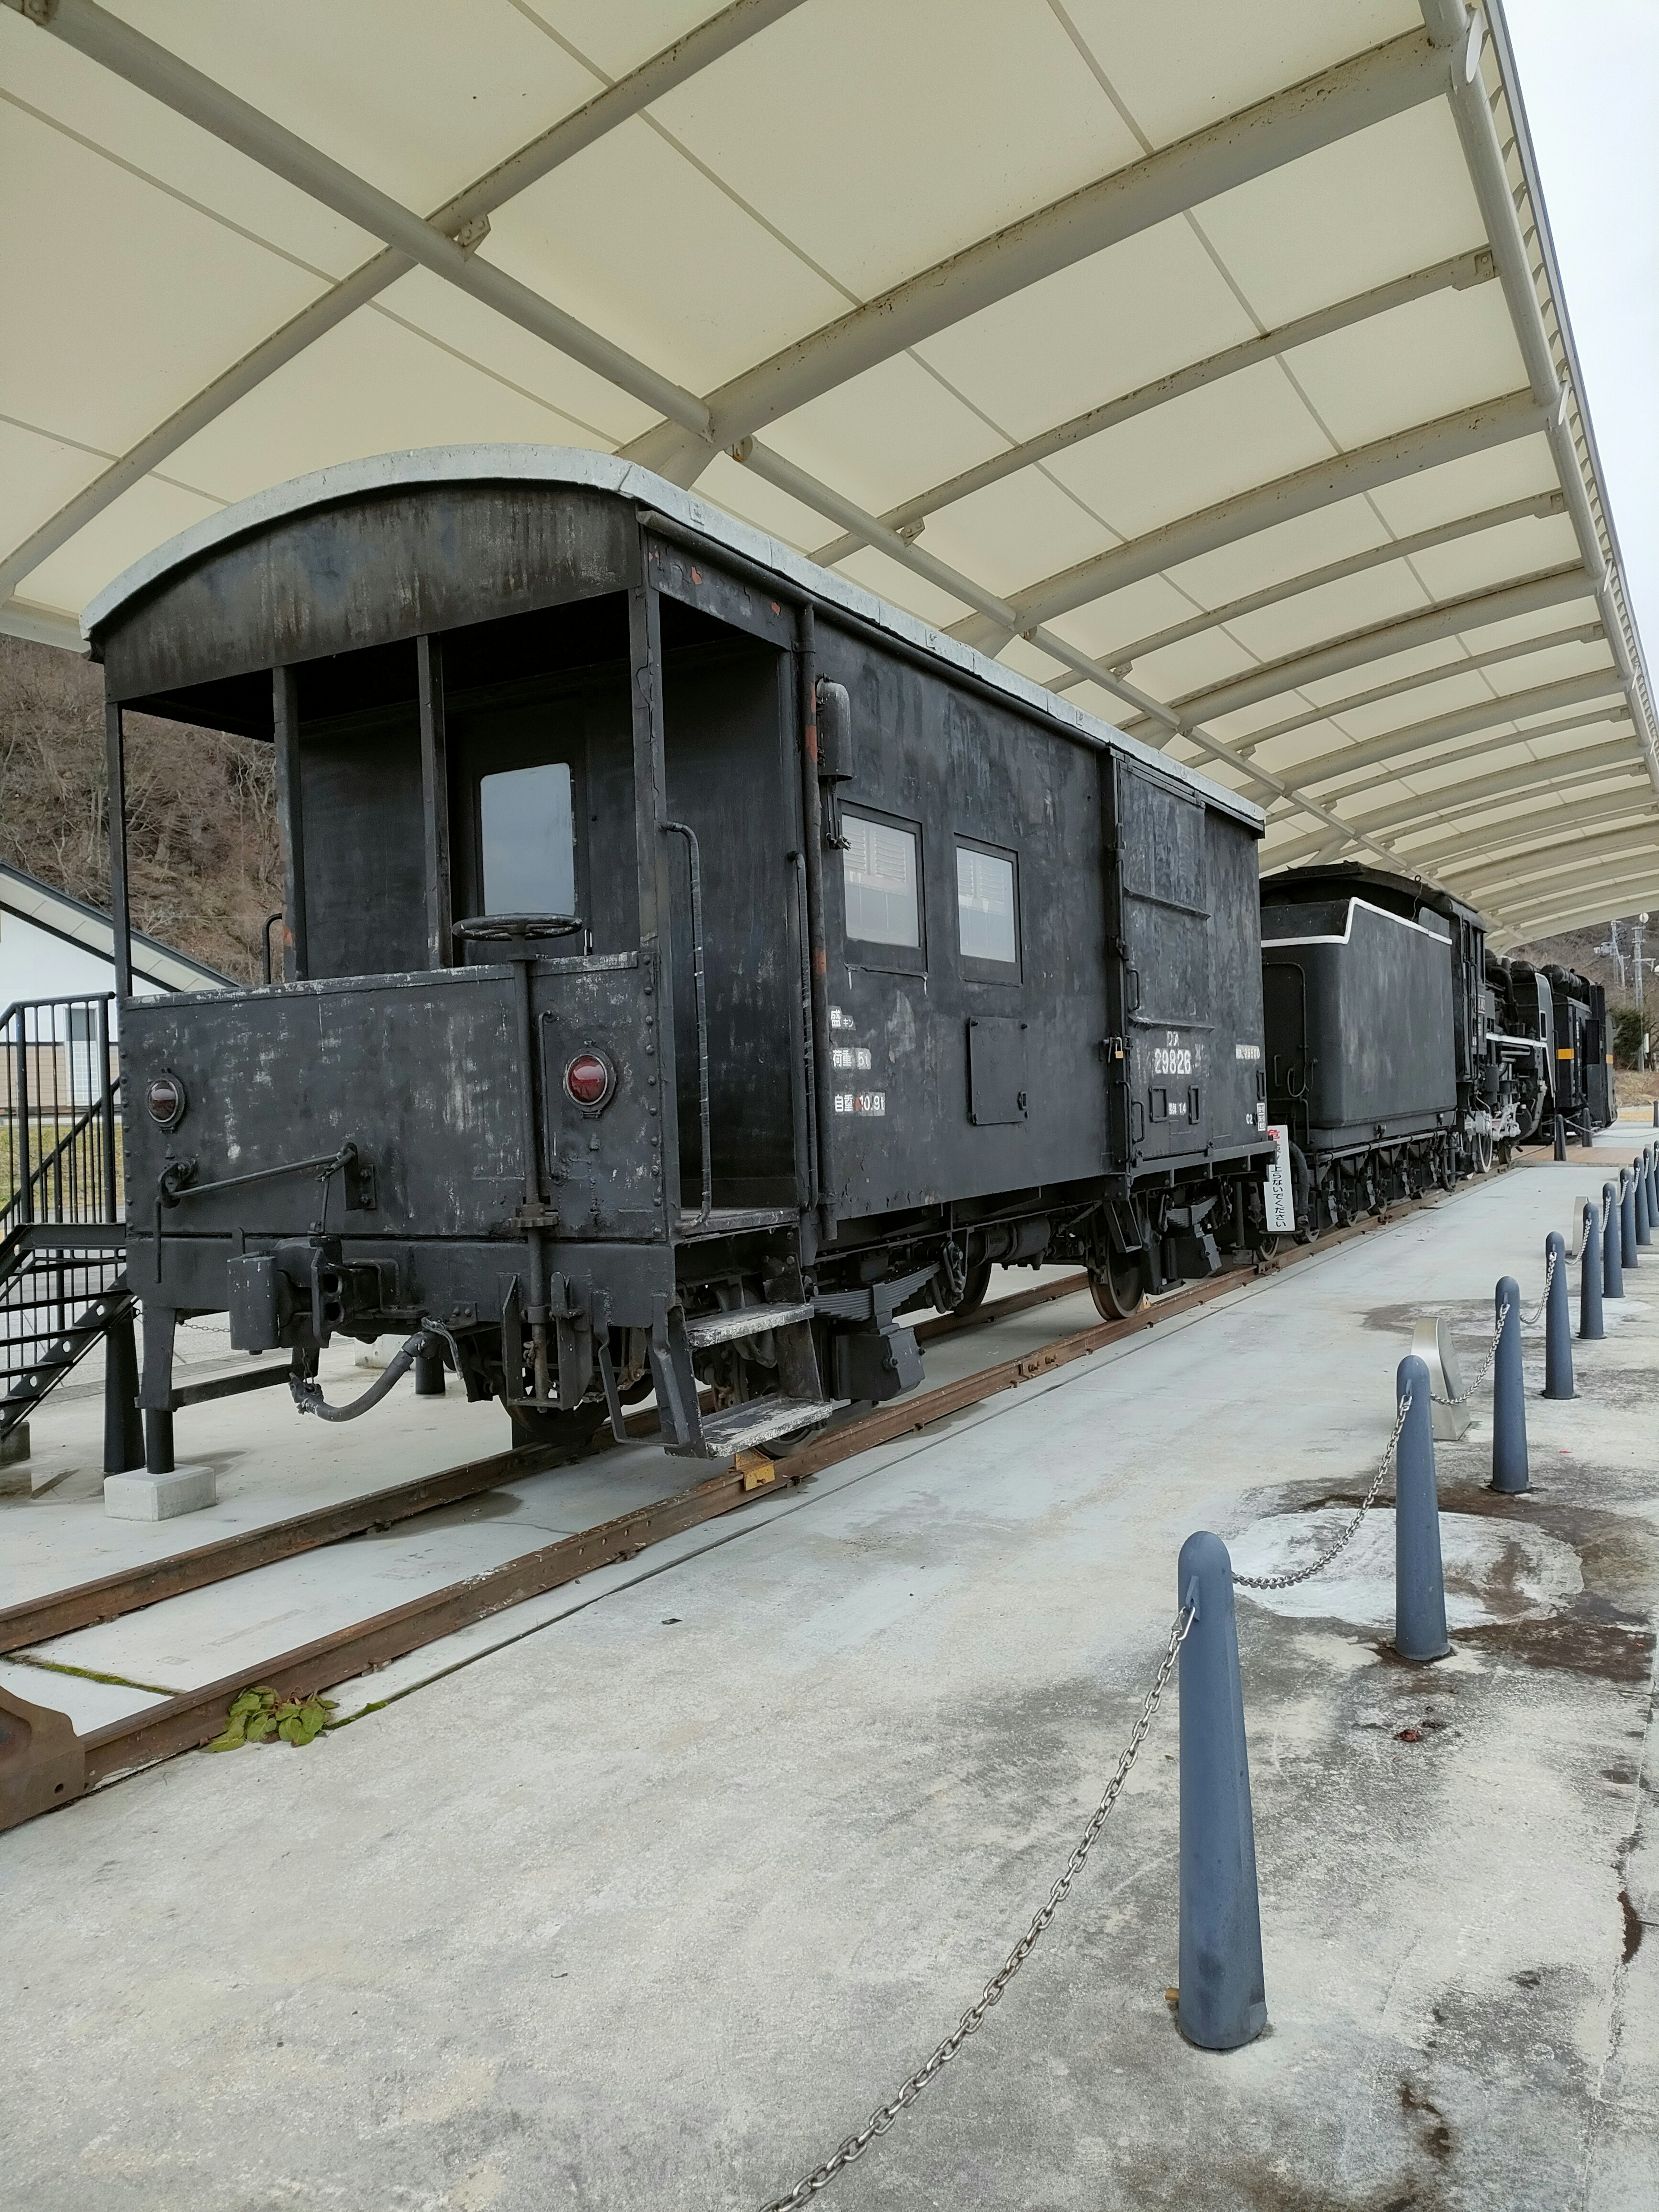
column 60, row 1148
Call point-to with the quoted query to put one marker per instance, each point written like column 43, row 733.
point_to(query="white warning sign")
column 1278, row 1190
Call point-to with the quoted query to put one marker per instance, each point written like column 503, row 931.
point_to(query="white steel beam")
column 1476, row 429
column 139, row 61
column 1512, row 830
column 1462, row 722
column 1405, row 73
column 544, row 153
column 1492, row 656
column 1636, row 843
column 1360, row 648
column 1505, row 741
column 1426, row 807
column 1456, row 34
column 827, row 501
column 1541, row 507
column 21, row 618
column 1526, row 922
column 1458, row 274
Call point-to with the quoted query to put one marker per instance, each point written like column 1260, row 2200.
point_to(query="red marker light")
column 588, row 1079
column 165, row 1097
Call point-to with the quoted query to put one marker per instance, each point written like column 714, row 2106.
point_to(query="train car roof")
column 1353, row 877
column 354, row 481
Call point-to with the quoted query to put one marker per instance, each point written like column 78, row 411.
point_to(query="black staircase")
column 63, row 1279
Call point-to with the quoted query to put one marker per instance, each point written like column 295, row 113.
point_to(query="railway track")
column 45, row 1763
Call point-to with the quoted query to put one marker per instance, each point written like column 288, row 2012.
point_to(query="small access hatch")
column 996, row 1071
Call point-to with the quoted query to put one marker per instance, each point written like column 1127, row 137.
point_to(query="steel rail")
column 45, row 1763
column 111, row 1597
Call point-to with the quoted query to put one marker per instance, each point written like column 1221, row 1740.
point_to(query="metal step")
column 742, row 1321
column 755, row 1421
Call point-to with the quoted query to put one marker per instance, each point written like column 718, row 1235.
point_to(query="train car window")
column 988, row 912
column 528, row 838
column 881, row 879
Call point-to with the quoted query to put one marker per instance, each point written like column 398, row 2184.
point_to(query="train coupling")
column 298, row 1294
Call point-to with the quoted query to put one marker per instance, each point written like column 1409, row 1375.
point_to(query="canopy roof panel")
column 1212, row 373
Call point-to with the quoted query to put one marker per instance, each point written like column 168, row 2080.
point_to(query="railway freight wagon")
column 691, row 964
column 1375, row 1009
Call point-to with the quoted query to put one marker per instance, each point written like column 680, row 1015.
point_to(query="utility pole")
column 1637, row 934
column 1614, row 951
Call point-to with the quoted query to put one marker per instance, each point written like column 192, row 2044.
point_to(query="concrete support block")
column 160, row 1497
column 14, row 1477
column 1222, row 2001
column 1419, row 1589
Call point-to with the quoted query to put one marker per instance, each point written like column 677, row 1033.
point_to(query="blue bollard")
column 1223, row 2000
column 1646, row 1222
column 1420, row 1589
column 1509, row 1397
column 1612, row 1272
column 1627, row 1216
column 1560, row 1145
column 1557, row 1322
column 1590, row 1324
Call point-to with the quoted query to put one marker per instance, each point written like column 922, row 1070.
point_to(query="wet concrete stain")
column 1434, row 2134
column 1632, row 1926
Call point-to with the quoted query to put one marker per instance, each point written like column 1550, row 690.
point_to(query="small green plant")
column 257, row 1715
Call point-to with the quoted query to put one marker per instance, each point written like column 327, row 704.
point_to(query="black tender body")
column 1375, row 1013
column 888, row 971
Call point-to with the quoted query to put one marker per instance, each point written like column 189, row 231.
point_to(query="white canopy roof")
column 1208, row 367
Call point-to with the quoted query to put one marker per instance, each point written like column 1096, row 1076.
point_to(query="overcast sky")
column 1589, row 77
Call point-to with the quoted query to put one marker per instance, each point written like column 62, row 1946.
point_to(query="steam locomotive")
column 1401, row 1055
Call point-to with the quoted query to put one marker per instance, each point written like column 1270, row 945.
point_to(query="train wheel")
column 1481, row 1147
column 1117, row 1292
column 975, row 1286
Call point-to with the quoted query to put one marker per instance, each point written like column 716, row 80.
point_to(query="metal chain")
column 854, row 2146
column 1487, row 1364
column 1302, row 1574
column 1530, row 1320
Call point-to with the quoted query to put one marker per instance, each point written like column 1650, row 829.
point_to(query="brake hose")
column 308, row 1392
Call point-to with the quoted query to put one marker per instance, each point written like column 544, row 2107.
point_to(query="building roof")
column 33, row 901
column 1212, row 370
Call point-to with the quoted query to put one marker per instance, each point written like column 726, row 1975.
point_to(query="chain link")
column 1487, row 1364
column 1531, row 1320
column 854, row 2146
column 1302, row 1574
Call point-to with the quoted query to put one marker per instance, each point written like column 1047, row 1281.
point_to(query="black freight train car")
column 1375, row 1008
column 691, row 964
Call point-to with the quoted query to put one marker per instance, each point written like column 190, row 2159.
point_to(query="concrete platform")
column 653, row 1903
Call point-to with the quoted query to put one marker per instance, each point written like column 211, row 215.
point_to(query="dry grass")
column 203, row 860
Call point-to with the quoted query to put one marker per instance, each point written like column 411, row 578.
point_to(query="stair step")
column 755, row 1421
column 742, row 1321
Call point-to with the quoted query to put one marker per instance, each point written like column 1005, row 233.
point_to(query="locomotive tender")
column 691, row 964
column 1401, row 1055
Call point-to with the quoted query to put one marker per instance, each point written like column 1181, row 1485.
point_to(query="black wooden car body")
column 690, row 962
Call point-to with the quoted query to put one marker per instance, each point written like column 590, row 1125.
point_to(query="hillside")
column 202, row 858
